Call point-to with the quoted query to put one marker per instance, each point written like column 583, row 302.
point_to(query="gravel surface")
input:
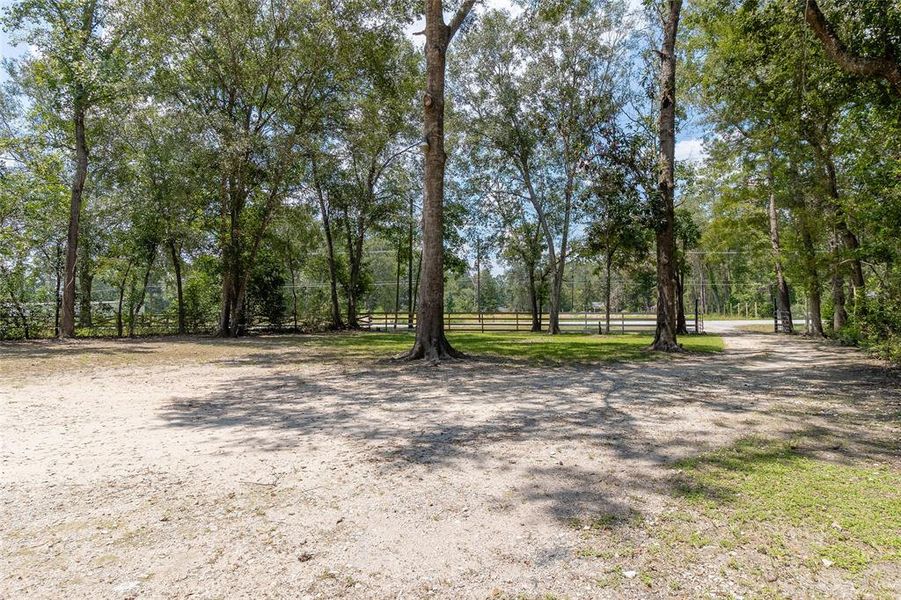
column 261, row 468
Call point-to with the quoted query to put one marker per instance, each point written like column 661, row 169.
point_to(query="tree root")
column 432, row 353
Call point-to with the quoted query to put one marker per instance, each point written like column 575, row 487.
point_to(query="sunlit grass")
column 528, row 346
column 841, row 515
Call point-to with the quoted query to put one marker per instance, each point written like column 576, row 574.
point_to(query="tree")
column 663, row 208
column 616, row 231
column 251, row 73
column 431, row 344
column 80, row 65
column 540, row 90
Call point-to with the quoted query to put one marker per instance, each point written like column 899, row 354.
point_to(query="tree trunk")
column 294, row 298
column 179, row 287
column 431, row 343
column 133, row 313
column 813, row 281
column 57, row 298
column 681, row 325
column 67, row 329
column 851, row 243
column 400, row 262
column 783, row 299
column 839, row 313
column 533, row 301
column 607, row 292
column 119, row 324
column 411, row 305
column 665, row 337
column 336, row 322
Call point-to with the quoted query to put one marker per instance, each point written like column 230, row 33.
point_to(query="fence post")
column 622, row 318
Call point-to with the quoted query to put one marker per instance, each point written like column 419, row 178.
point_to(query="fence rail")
column 574, row 322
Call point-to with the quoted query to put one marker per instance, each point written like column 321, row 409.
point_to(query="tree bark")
column 885, row 67
column 783, row 300
column 67, row 328
column 431, row 343
column 179, row 286
column 665, row 337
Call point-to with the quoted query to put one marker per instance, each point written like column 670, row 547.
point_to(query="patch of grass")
column 854, row 511
column 537, row 347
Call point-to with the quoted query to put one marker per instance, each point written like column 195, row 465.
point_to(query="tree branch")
column 885, row 67
column 458, row 19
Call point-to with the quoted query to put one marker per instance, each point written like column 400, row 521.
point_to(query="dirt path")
column 254, row 469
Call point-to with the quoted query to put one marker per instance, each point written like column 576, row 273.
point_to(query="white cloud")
column 691, row 150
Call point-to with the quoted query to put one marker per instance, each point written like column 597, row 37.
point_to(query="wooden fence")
column 572, row 322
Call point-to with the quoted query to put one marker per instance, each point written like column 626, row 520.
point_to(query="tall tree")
column 540, row 90
column 79, row 64
column 663, row 208
column 431, row 344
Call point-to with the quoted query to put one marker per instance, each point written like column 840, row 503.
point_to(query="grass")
column 528, row 346
column 765, row 516
column 841, row 515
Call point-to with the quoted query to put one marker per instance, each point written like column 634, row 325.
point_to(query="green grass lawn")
column 570, row 347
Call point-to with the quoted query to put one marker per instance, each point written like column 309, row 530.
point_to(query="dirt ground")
column 263, row 468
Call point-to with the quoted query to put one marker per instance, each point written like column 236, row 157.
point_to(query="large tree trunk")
column 665, row 337
column 783, row 300
column 175, row 255
column 67, row 328
column 431, row 343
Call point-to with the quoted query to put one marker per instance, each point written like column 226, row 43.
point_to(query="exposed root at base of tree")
column 665, row 346
column 433, row 352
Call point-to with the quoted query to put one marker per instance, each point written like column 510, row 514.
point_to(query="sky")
column 689, row 145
